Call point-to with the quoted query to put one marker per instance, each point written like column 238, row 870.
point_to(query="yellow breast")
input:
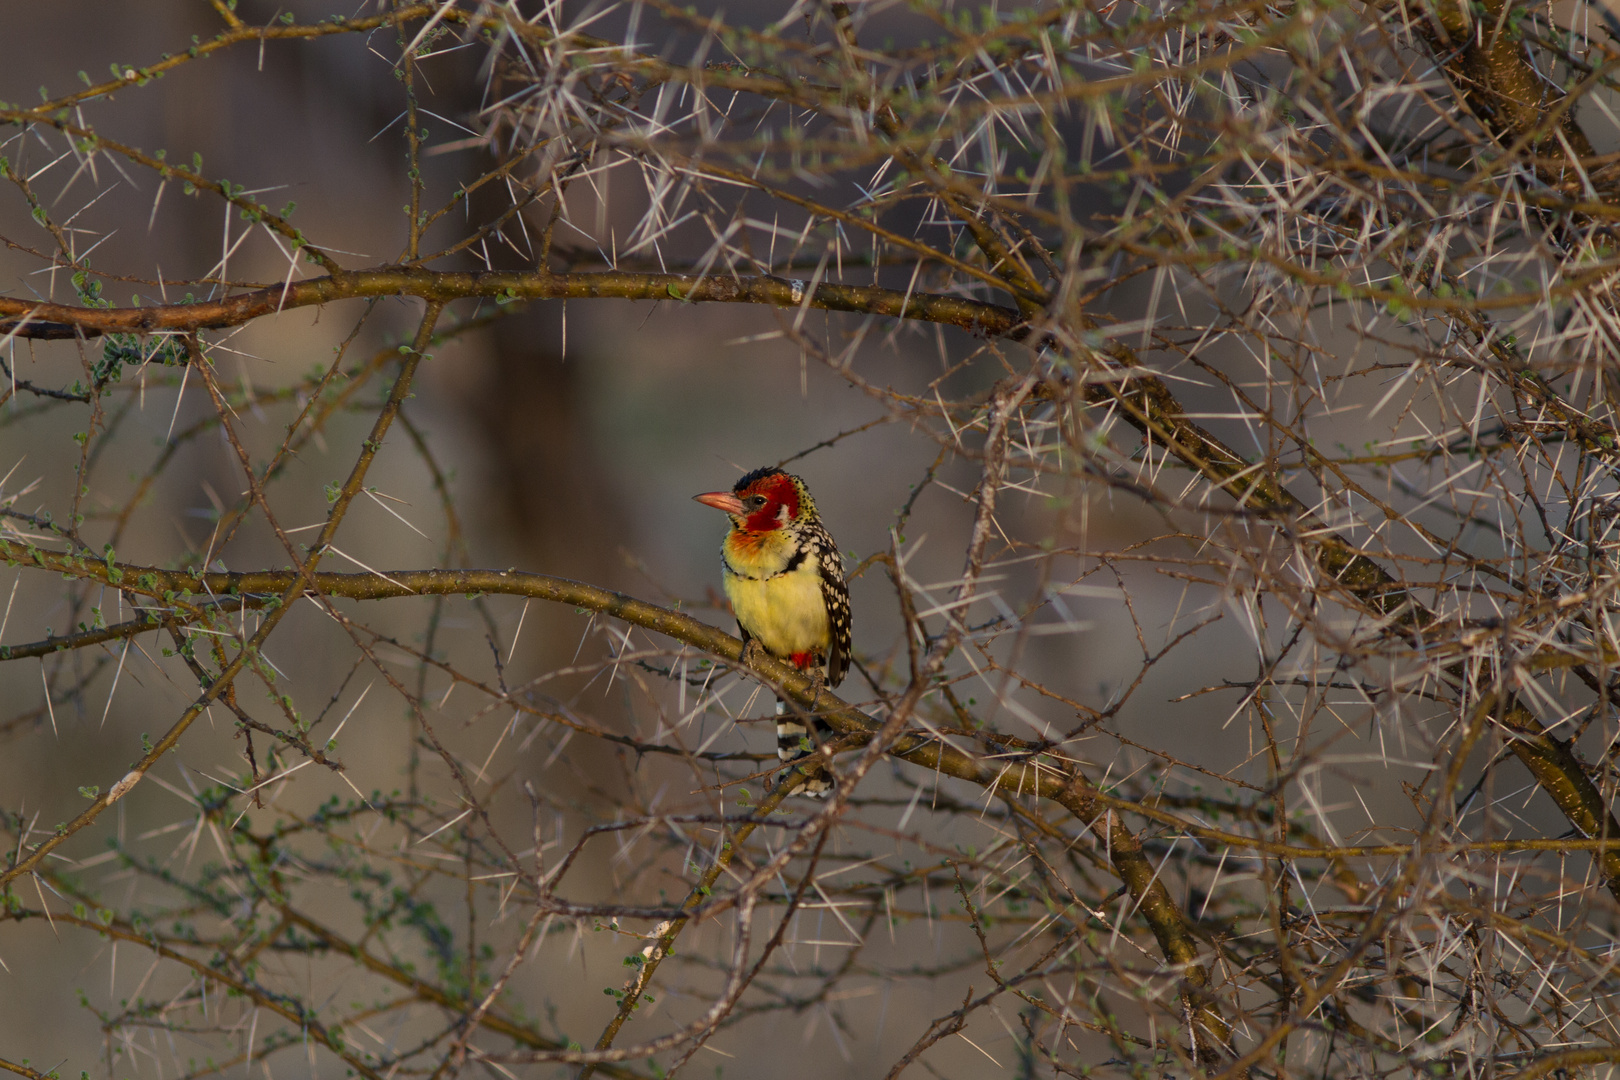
column 784, row 609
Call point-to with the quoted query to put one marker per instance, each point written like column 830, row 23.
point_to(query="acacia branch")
column 258, row 590
column 299, row 582
column 1046, row 779
column 293, row 1011
column 34, row 319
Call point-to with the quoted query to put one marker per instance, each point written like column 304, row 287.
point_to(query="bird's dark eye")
column 756, row 501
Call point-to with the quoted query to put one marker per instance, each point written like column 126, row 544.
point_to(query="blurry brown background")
column 580, row 465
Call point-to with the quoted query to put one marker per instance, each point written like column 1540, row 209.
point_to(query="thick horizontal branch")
column 1037, row 774
column 1048, row 778
column 1059, row 781
column 34, row 319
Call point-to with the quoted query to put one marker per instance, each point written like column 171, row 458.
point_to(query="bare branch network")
column 1230, row 495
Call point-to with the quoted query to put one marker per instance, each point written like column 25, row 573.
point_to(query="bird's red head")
column 763, row 500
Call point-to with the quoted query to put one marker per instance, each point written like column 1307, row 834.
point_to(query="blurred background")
column 571, row 438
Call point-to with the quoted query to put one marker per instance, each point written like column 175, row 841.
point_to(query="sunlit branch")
column 32, row 319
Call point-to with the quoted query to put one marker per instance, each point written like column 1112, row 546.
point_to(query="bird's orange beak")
column 721, row 500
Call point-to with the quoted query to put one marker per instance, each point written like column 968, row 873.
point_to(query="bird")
column 784, row 577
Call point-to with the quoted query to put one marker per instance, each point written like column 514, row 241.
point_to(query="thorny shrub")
column 1273, row 333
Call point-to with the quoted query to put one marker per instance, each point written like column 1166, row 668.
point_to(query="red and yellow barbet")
column 785, row 581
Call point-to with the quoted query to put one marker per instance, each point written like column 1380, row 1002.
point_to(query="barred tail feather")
column 790, row 746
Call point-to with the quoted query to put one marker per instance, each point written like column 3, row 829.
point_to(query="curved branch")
column 1034, row 777
column 33, row 319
